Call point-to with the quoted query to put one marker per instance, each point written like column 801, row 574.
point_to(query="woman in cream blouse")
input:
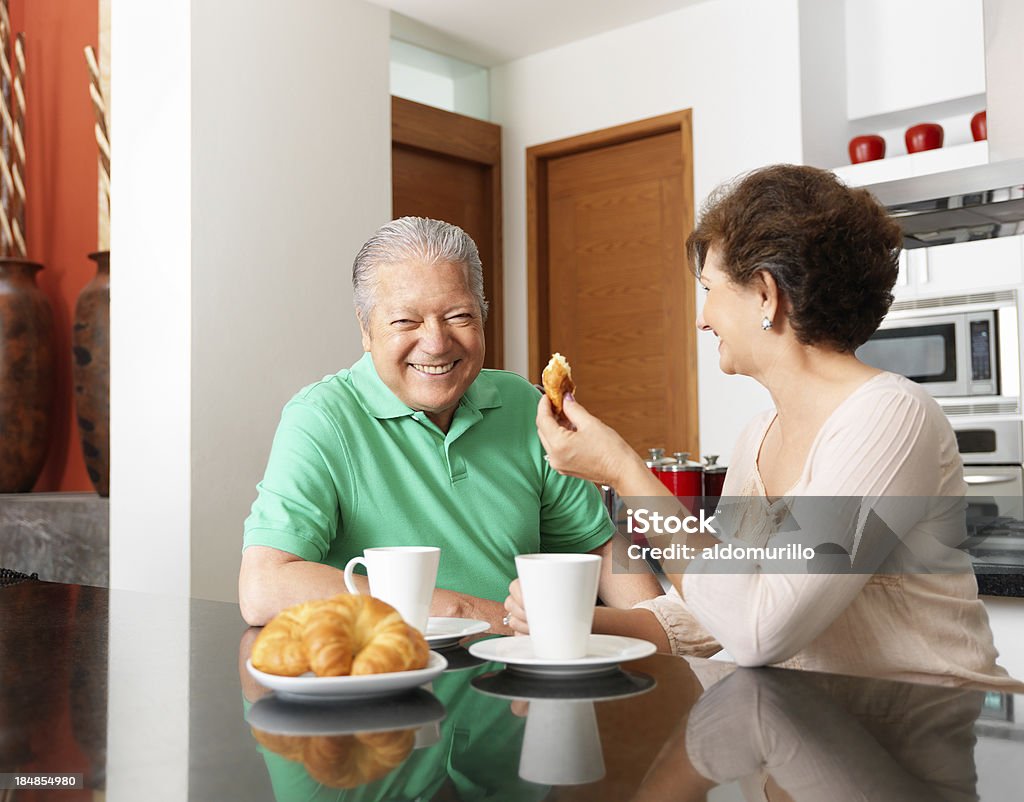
column 798, row 271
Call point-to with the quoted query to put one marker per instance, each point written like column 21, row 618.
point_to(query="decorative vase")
column 90, row 367
column 923, row 136
column 866, row 148
column 26, row 375
column 979, row 126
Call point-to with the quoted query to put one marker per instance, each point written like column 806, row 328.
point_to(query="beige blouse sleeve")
column 686, row 635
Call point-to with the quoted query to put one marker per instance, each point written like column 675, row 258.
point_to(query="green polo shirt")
column 353, row 467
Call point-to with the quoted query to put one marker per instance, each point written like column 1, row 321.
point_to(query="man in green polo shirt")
column 415, row 444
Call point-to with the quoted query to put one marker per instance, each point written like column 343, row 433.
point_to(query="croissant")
column 349, row 634
column 557, row 380
column 343, row 761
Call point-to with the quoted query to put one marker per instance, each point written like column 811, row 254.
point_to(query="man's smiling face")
column 425, row 335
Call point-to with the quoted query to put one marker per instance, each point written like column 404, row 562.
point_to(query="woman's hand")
column 516, row 610
column 587, row 448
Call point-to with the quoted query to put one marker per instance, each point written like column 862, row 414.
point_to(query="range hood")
column 986, row 200
column 957, row 206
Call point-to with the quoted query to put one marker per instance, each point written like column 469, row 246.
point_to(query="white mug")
column 402, row 576
column 559, row 594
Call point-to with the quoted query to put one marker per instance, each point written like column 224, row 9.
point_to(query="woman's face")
column 732, row 313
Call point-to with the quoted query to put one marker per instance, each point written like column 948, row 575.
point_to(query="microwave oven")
column 957, row 347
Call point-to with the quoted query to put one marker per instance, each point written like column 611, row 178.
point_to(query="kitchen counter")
column 147, row 697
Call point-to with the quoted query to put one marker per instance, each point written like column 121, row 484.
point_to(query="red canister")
column 683, row 478
column 714, row 481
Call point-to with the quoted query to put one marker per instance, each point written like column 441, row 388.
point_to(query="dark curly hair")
column 832, row 250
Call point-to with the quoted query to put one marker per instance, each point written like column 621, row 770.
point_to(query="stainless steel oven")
column 955, row 347
column 992, row 455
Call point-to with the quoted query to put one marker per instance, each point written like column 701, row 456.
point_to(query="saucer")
column 443, row 632
column 309, row 687
column 459, row 659
column 513, row 684
column 604, row 653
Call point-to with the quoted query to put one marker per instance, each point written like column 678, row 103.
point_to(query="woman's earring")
column 765, row 323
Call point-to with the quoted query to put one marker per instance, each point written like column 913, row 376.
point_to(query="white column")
column 150, row 305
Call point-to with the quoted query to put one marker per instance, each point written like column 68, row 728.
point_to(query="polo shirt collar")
column 379, row 401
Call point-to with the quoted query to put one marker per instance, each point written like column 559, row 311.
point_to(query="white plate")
column 309, row 687
column 449, row 631
column 604, row 652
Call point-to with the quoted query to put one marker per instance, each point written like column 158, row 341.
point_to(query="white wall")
column 445, row 82
column 734, row 62
column 254, row 159
column 291, row 172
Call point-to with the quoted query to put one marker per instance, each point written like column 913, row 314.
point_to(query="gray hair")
column 415, row 239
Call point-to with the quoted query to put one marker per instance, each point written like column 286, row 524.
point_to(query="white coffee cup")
column 561, row 743
column 402, row 576
column 559, row 593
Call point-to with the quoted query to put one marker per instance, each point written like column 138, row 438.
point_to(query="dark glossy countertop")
column 147, row 698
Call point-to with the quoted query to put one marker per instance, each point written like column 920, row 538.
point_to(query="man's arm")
column 622, row 589
column 271, row 580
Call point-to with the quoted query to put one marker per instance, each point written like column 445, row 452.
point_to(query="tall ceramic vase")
column 26, row 375
column 90, row 342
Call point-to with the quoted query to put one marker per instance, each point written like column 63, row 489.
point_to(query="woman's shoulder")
column 888, row 425
column 889, row 397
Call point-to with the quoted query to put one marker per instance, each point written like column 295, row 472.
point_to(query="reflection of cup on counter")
column 559, row 593
column 561, row 744
column 402, row 576
column 430, row 733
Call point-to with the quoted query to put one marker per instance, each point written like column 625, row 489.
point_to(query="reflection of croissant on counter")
column 343, row 761
column 345, row 635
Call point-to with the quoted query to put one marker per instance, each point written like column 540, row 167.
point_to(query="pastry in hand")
column 349, row 634
column 558, row 383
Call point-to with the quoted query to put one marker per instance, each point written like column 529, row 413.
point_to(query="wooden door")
column 610, row 287
column 448, row 167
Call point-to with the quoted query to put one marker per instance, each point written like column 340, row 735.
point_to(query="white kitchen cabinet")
column 903, row 288
column 903, row 54
column 965, row 266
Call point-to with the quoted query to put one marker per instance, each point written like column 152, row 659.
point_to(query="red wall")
column 61, row 187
